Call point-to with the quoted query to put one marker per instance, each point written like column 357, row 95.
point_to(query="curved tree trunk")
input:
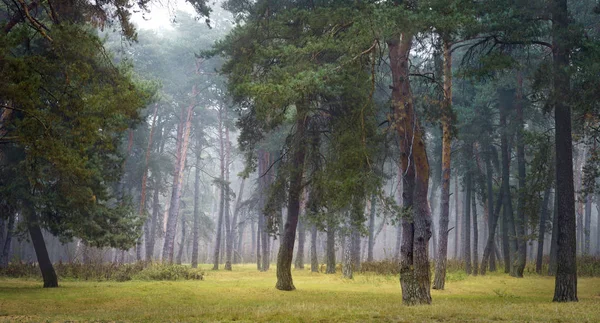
column 286, row 250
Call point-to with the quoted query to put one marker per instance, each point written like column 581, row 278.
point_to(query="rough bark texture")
column 314, row 260
column 237, row 229
column 588, row 224
column 414, row 259
column 566, row 269
column 347, row 261
column 492, row 219
column 542, row 231
column 229, row 224
column 456, row 218
column 286, row 251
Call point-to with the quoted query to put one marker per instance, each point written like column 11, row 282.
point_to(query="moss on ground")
column 247, row 295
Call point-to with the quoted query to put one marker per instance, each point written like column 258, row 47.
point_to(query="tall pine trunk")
column 299, row 262
column 229, row 237
column 222, row 192
column 5, row 252
column 442, row 255
column 236, row 229
column 566, row 270
column 314, row 260
column 475, row 235
column 371, row 241
column 330, row 254
column 39, row 245
column 467, row 218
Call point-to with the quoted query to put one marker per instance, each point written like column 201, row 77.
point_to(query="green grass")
column 248, row 295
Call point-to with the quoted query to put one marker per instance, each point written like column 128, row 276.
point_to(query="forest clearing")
column 245, row 295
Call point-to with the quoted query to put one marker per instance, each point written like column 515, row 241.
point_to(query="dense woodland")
column 318, row 135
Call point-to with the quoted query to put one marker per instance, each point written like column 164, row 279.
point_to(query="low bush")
column 107, row 271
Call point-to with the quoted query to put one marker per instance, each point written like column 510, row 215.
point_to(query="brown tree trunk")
column 299, row 262
column 314, row 260
column 414, row 259
column 566, row 270
column 183, row 135
column 142, row 211
column 286, row 250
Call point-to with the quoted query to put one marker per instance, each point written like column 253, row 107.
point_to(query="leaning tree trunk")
column 183, row 135
column 442, row 256
column 414, row 259
column 196, row 225
column 566, row 269
column 521, row 255
column 286, row 250
column 542, row 231
column 37, row 239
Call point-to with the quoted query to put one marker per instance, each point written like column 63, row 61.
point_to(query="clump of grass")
column 169, row 272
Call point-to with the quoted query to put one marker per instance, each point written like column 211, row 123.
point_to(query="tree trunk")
column 521, row 221
column 222, row 194
column 183, row 135
column 330, row 247
column 554, row 238
column 588, row 224
column 286, row 250
column 542, row 231
column 371, row 243
column 314, row 260
column 475, row 236
column 355, row 248
column 598, row 225
column 182, row 243
column 510, row 246
column 236, row 229
column 258, row 242
column 228, row 221
column 414, row 259
column 37, row 239
column 490, row 248
column 492, row 219
column 265, row 243
column 456, row 219
column 347, row 260
column 467, row 220
column 299, row 262
column 566, row 269
column 5, row 255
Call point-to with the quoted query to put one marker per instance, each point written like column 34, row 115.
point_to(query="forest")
column 300, row 160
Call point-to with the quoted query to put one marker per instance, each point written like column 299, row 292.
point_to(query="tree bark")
column 286, row 250
column 588, row 224
column 229, row 237
column 299, row 262
column 222, row 198
column 490, row 248
column 542, row 231
column 182, row 242
column 554, row 238
column 414, row 259
column 37, row 239
column 566, row 270
column 236, row 229
column 347, row 260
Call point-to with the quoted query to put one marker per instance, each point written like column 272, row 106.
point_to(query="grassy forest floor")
column 247, row 295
